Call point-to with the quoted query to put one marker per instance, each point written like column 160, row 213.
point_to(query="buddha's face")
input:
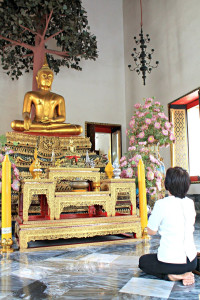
column 45, row 79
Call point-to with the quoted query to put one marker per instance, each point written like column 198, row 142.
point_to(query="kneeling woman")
column 173, row 218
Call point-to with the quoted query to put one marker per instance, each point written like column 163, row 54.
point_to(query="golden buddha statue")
column 49, row 109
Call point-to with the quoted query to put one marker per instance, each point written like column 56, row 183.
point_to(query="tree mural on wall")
column 27, row 28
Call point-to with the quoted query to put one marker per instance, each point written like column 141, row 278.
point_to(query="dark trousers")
column 149, row 264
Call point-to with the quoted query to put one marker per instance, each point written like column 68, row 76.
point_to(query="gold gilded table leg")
column 23, row 241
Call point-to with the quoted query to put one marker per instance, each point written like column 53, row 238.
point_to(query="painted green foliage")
column 27, row 26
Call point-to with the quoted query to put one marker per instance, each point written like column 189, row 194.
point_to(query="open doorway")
column 104, row 137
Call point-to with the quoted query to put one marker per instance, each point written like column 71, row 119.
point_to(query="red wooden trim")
column 102, row 129
column 192, row 104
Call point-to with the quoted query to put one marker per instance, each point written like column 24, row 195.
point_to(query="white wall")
column 96, row 94
column 173, row 26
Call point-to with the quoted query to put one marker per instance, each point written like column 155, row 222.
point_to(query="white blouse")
column 174, row 220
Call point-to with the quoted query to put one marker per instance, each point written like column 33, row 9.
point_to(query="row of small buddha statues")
column 49, row 109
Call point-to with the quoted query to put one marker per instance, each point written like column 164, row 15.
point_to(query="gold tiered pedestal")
column 58, row 227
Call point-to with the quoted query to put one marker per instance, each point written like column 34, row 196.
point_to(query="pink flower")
column 154, row 118
column 158, row 174
column 152, row 190
column 124, row 163
column 152, row 158
column 141, row 135
column 157, row 125
column 167, row 125
column 151, row 139
column 158, row 184
column 172, row 137
column 131, row 148
column 132, row 140
column 1, row 157
column 15, row 185
column 148, row 100
column 129, row 172
column 122, row 158
column 140, row 115
column 150, row 175
column 16, row 172
column 162, row 115
column 137, row 157
column 144, row 127
column 146, row 106
column 148, row 121
column 132, row 123
column 156, row 109
column 137, row 105
column 123, row 174
column 157, row 162
column 164, row 132
column 127, row 131
column 157, row 103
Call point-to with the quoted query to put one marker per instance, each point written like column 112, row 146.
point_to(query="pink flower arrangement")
column 151, row 127
column 150, row 124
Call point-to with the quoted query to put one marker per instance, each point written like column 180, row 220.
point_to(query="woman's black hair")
column 177, row 182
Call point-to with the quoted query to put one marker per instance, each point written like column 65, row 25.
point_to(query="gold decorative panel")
column 180, row 148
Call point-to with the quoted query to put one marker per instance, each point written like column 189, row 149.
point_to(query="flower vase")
column 117, row 172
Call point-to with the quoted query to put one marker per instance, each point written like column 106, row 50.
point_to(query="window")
column 185, row 115
column 194, row 140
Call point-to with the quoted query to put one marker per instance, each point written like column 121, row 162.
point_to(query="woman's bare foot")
column 187, row 278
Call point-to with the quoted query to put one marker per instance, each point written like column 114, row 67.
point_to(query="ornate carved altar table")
column 115, row 186
column 42, row 228
column 32, row 187
column 84, row 198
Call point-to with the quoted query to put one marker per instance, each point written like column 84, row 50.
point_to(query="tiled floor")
column 89, row 272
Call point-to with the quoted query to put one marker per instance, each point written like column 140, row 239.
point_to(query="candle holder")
column 96, row 186
column 6, row 246
column 37, row 171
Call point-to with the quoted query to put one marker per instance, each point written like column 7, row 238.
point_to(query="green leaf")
column 3, row 140
column 149, row 116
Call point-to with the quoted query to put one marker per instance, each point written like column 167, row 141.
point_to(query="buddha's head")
column 45, row 77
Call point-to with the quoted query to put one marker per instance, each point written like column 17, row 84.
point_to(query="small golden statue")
column 32, row 166
column 37, row 171
column 72, row 147
column 49, row 109
column 109, row 168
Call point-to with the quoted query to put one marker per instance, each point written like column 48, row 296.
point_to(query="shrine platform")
column 75, row 228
